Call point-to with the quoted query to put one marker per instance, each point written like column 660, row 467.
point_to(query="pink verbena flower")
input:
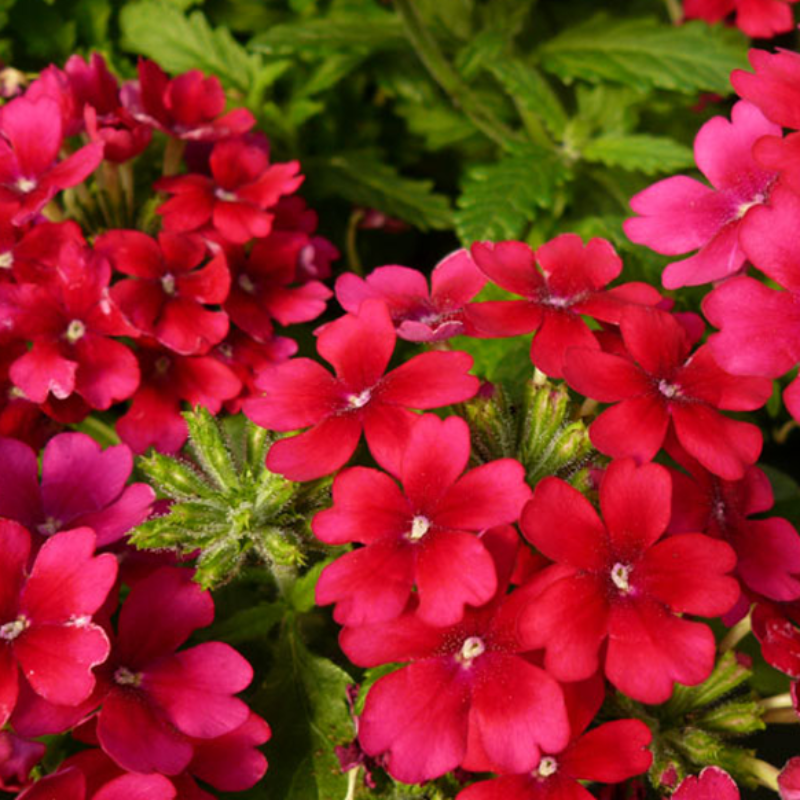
column 171, row 286
column 189, row 106
column 468, row 696
column 711, row 784
column 569, row 282
column 302, row 393
column 767, row 550
column 760, row 19
column 235, row 198
column 614, row 582
column 419, row 315
column 46, row 630
column 680, row 214
column 82, row 486
column 422, row 535
column 30, row 140
column 158, row 699
column 663, row 388
column 789, row 780
column 775, row 86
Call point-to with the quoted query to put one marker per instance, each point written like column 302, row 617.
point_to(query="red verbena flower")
column 570, row 281
column 359, row 397
column 422, row 535
column 663, row 388
column 614, row 582
column 760, row 19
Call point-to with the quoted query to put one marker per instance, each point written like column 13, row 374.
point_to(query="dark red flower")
column 711, row 784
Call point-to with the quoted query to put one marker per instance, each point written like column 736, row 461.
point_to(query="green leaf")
column 647, row 54
column 301, row 594
column 304, row 697
column 245, row 625
column 498, row 360
column 342, row 31
column 159, row 30
column 530, row 90
column 642, row 152
column 361, row 178
column 499, row 200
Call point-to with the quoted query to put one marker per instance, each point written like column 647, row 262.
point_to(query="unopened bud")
column 736, row 716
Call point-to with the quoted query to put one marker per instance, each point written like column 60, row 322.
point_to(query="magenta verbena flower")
column 760, row 19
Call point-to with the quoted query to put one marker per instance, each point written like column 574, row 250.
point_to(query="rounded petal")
column 430, row 380
column 768, row 554
column 711, row 784
column 603, row 376
column 511, row 265
column 20, row 499
column 634, row 427
column 560, row 331
column 455, row 280
column 610, row 753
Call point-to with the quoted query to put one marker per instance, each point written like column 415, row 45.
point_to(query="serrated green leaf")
column 642, row 152
column 304, row 697
column 499, row 200
column 342, row 31
column 210, row 448
column 330, row 72
column 498, row 360
column 364, row 180
column 159, row 30
column 531, row 91
column 647, row 54
column 245, row 625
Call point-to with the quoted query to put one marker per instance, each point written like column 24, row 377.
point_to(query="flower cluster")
column 159, row 716
column 186, row 315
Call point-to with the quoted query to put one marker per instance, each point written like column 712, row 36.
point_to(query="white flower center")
column 50, row 526
column 547, row 766
column 419, row 527
column 11, row 630
column 246, row 284
column 168, row 283
column 225, row 195
column 6, row 260
column 75, row 330
column 758, row 200
column 124, row 677
column 359, row 400
column 472, row 648
column 26, row 185
column 669, row 390
column 620, row 576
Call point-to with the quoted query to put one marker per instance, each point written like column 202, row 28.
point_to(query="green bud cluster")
column 541, row 430
column 227, row 506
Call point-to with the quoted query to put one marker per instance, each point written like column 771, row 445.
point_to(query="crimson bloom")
column 663, row 388
column 360, row 397
column 570, row 282
column 614, row 582
column 167, row 296
column 419, row 315
column 45, row 615
column 679, row 214
column 789, row 780
column 189, row 106
column 422, row 535
column 467, row 698
column 760, row 19
column 610, row 753
column 777, row 628
column 82, row 485
column 159, row 699
column 30, row 141
column 18, row 757
column 767, row 550
column 235, row 199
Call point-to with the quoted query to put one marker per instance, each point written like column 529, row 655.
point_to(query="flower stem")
column 761, row 771
column 351, row 246
column 777, row 701
column 447, row 77
column 736, row 634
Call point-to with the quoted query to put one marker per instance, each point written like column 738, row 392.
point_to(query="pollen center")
column 547, row 766
column 11, row 630
column 359, row 400
column 245, row 284
column 669, row 390
column 620, row 575
column 419, row 527
column 168, row 283
column 75, row 331
column 225, row 195
column 50, row 526
column 6, row 260
column 124, row 677
column 26, row 185
column 472, row 648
